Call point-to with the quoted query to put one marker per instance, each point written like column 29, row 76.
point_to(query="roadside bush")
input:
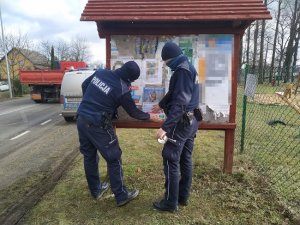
column 18, row 88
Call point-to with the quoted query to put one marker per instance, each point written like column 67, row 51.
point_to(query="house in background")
column 22, row 59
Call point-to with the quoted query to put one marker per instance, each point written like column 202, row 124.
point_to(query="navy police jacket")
column 105, row 91
column 183, row 94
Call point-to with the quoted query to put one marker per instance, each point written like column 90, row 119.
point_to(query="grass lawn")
column 4, row 95
column 240, row 198
column 274, row 147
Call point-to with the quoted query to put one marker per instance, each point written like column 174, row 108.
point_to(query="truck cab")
column 71, row 92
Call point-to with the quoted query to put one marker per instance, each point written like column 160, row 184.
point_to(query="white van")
column 71, row 93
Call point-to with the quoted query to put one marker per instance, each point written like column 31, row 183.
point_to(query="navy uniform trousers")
column 177, row 161
column 93, row 138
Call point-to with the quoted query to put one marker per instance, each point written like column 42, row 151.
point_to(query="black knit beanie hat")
column 129, row 72
column 170, row 50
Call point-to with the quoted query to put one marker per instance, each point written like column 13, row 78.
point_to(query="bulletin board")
column 211, row 54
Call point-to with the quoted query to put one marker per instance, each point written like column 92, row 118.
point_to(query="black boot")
column 183, row 202
column 164, row 206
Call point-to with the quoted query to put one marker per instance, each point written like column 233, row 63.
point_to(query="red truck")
column 45, row 84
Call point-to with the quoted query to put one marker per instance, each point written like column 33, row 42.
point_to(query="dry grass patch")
column 216, row 198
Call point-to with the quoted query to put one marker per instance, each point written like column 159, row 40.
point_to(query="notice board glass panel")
column 210, row 54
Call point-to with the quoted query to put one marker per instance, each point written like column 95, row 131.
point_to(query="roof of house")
column 38, row 60
column 174, row 10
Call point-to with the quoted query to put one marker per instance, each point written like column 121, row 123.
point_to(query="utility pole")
column 5, row 52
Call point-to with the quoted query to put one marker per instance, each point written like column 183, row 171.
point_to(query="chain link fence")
column 268, row 130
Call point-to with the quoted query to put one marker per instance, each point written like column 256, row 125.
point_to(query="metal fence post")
column 244, row 112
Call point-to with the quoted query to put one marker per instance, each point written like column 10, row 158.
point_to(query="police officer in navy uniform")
column 181, row 107
column 103, row 93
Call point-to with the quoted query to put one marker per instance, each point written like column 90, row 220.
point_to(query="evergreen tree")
column 52, row 57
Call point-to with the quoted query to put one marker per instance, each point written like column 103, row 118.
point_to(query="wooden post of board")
column 108, row 51
column 228, row 151
column 229, row 133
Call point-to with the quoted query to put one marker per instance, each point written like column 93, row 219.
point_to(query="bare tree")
column 266, row 56
column 281, row 38
column 248, row 44
column 282, row 43
column 63, row 50
column 296, row 48
column 255, row 44
column 277, row 16
column 61, row 47
column 294, row 22
column 75, row 50
column 240, row 58
column 79, row 49
column 13, row 46
column 261, row 53
column 44, row 47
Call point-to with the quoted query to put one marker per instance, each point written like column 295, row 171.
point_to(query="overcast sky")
column 52, row 20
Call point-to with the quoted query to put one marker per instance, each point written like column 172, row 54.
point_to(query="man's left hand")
column 160, row 133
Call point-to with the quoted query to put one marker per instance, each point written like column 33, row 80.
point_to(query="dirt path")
column 34, row 169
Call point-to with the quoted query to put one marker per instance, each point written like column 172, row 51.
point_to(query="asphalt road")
column 20, row 117
column 33, row 138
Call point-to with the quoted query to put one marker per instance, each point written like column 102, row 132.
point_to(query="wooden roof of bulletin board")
column 237, row 14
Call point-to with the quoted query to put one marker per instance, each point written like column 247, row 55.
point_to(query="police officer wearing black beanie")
column 103, row 93
column 180, row 127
